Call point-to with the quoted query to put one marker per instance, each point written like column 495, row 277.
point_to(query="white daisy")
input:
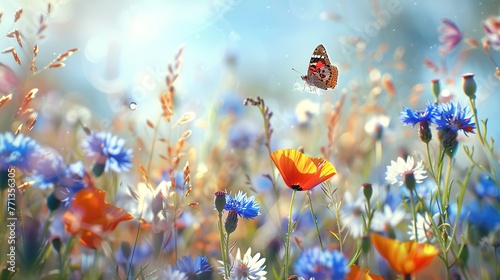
column 351, row 213
column 376, row 126
column 387, row 219
column 171, row 273
column 424, row 230
column 247, row 267
column 398, row 169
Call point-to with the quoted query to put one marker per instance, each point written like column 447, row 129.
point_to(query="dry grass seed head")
column 186, row 134
column 25, row 185
column 186, row 117
column 33, row 65
column 416, row 92
column 57, row 65
column 23, row 109
column 144, row 174
column 150, row 124
column 388, row 84
column 180, row 145
column 167, row 104
column 4, row 99
column 19, row 129
column 472, row 42
column 431, row 65
column 18, row 14
column 25, row 112
column 31, row 121
column 64, row 56
column 40, row 30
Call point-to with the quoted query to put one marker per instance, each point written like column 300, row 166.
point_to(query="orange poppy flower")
column 91, row 216
column 356, row 274
column 404, row 257
column 301, row 172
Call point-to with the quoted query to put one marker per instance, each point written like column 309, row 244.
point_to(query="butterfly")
column 321, row 73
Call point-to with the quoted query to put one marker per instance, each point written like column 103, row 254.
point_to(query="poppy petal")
column 293, row 166
column 356, row 274
column 301, row 172
column 90, row 216
column 404, row 257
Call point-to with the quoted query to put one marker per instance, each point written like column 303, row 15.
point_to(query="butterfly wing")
column 319, row 59
column 321, row 73
column 332, row 82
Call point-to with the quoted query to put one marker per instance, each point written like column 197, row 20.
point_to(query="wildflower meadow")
column 231, row 139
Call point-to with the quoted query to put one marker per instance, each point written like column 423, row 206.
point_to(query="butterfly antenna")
column 297, row 71
column 85, row 129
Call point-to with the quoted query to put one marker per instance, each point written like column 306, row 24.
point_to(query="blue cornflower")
column 48, row 167
column 232, row 104
column 242, row 135
column 422, row 117
column 486, row 187
column 171, row 273
column 321, row 264
column 142, row 253
column 453, row 118
column 178, row 177
column 17, row 151
column 193, row 267
column 109, row 149
column 413, row 117
column 71, row 181
column 246, row 207
column 483, row 215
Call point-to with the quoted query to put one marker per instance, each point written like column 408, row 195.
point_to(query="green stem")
column 439, row 172
column 472, row 103
column 223, row 248
column 431, row 167
column 447, row 185
column 153, row 146
column 61, row 266
column 497, row 268
column 129, row 269
column 339, row 228
column 445, row 258
column 229, row 266
column 315, row 220
column 414, row 214
column 484, row 143
column 289, row 231
column 95, row 274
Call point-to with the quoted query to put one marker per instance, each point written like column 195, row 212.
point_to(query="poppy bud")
column 436, row 88
column 53, row 202
column 98, row 169
column 57, row 243
column 126, row 249
column 367, row 191
column 220, row 200
column 469, row 85
column 409, row 179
